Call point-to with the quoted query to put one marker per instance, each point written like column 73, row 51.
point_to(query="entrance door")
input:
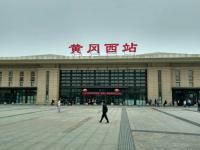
column 109, row 95
column 179, row 95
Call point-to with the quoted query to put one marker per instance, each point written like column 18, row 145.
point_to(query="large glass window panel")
column 105, row 78
column 0, row 78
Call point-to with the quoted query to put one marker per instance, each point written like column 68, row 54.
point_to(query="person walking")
column 198, row 105
column 184, row 103
column 104, row 112
column 150, row 101
column 189, row 102
column 52, row 102
column 165, row 103
column 59, row 105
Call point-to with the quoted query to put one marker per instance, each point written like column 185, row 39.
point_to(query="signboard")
column 101, row 93
column 109, row 48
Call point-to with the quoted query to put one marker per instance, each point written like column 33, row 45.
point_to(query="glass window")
column 0, row 78
column 160, row 84
column 32, row 78
column 106, row 78
column 21, row 78
column 10, row 78
column 190, row 78
column 47, row 86
column 178, row 78
column 190, row 84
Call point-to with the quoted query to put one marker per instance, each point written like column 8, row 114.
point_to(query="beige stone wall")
column 166, row 85
column 152, row 76
column 53, row 85
column 16, row 75
column 27, row 74
column 4, row 78
column 28, row 77
column 41, row 82
column 173, row 78
column 152, row 86
column 196, row 77
column 15, row 78
column 184, row 76
column 168, row 79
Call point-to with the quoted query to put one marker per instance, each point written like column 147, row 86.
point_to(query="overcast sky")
column 33, row 27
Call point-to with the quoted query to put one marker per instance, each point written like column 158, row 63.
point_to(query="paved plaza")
column 28, row 127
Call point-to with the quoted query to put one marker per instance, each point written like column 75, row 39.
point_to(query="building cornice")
column 143, row 58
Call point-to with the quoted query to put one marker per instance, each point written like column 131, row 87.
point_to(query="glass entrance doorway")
column 179, row 95
column 18, row 95
column 131, row 82
column 109, row 99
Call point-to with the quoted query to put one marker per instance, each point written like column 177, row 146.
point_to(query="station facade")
column 128, row 80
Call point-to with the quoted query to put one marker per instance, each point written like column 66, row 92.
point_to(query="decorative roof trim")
column 61, row 57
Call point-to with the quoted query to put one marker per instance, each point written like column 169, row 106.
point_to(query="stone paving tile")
column 154, row 141
column 77, row 128
column 185, row 113
column 149, row 119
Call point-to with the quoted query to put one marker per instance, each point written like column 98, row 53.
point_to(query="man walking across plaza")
column 104, row 112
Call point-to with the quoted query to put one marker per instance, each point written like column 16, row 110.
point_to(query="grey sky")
column 31, row 27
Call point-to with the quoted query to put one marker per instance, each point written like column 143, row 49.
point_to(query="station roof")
column 63, row 57
column 150, row 58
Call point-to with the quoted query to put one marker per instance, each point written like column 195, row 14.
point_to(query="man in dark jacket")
column 104, row 111
column 165, row 103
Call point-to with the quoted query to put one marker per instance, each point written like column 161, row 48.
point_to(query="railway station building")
column 127, row 80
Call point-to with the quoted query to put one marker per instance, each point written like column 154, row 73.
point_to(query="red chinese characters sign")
column 110, row 48
column 76, row 48
column 129, row 48
column 93, row 47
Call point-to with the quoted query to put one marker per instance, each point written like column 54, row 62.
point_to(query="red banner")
column 102, row 93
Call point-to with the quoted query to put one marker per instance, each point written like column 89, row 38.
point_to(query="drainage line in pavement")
column 166, row 132
column 191, row 110
column 19, row 121
column 15, row 109
column 180, row 118
column 25, row 113
column 126, row 141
